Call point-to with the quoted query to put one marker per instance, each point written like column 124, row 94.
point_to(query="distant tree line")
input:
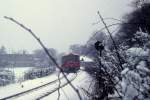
column 23, row 58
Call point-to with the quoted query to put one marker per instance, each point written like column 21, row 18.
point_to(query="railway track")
column 30, row 90
column 50, row 92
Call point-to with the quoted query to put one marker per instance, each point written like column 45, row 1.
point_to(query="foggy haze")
column 58, row 23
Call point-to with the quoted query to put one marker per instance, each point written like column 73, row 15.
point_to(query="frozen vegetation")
column 6, row 77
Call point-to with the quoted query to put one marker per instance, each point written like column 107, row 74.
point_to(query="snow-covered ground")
column 81, row 81
column 19, row 71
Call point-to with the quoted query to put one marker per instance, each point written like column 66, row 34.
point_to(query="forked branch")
column 46, row 51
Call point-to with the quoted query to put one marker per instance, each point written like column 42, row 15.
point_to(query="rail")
column 30, row 90
column 48, row 93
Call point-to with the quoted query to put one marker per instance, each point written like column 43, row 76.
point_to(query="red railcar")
column 70, row 63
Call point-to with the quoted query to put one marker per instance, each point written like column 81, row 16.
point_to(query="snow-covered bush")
column 6, row 77
column 131, row 83
column 135, row 83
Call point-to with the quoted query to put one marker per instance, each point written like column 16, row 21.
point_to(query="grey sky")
column 58, row 23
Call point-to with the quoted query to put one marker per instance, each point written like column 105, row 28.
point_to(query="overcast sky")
column 58, row 23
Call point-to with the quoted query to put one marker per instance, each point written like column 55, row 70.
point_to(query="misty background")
column 58, row 23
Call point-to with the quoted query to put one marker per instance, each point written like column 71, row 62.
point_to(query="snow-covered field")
column 82, row 81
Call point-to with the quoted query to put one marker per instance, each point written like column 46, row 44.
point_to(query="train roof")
column 71, row 54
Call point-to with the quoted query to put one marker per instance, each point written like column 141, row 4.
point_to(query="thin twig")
column 116, row 48
column 46, row 51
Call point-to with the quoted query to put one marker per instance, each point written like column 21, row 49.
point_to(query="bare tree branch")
column 116, row 48
column 46, row 51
